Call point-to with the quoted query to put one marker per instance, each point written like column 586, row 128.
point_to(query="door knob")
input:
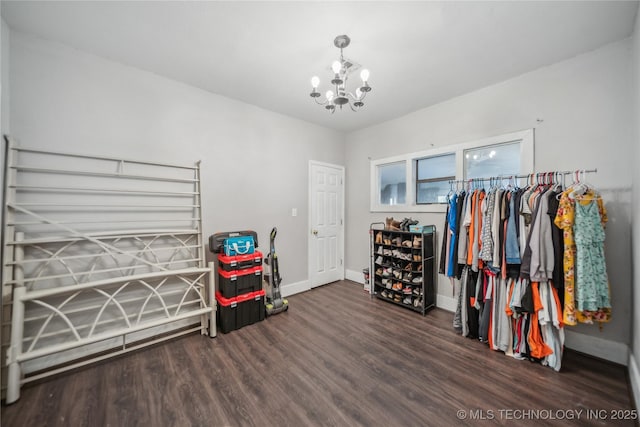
column 315, row 232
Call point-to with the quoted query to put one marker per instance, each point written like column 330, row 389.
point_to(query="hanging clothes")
column 564, row 220
column 516, row 252
column 592, row 245
column 452, row 225
column 558, row 244
column 592, row 286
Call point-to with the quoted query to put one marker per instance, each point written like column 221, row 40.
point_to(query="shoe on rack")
column 417, row 241
column 419, row 267
column 407, row 300
column 384, row 294
column 406, row 243
column 379, row 260
column 391, row 224
column 380, row 250
column 379, row 237
column 417, row 302
column 407, row 277
column 417, row 280
column 417, row 257
column 397, row 298
column 397, row 241
column 407, row 290
column 379, row 271
column 408, row 267
column 417, row 291
column 385, row 272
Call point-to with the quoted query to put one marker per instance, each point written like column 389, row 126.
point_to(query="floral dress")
column 592, row 284
column 565, row 220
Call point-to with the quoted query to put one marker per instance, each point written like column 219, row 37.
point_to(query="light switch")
column 294, row 211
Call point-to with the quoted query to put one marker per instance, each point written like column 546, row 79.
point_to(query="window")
column 492, row 160
column 432, row 178
column 392, row 183
column 427, row 173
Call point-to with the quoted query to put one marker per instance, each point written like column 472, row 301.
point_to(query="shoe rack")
column 403, row 267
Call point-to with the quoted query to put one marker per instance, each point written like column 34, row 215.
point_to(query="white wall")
column 4, row 70
column 4, row 91
column 585, row 105
column 254, row 162
column 634, row 360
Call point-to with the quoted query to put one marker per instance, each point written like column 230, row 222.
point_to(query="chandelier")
column 342, row 69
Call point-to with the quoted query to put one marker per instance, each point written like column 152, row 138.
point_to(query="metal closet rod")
column 529, row 175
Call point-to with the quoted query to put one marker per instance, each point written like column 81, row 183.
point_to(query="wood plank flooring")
column 335, row 358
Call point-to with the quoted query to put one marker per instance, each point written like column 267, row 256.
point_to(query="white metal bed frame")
column 94, row 265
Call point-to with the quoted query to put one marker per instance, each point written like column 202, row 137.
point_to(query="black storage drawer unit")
column 251, row 308
column 237, row 282
column 237, row 312
column 226, row 315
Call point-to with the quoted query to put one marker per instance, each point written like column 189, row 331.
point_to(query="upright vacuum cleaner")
column 275, row 303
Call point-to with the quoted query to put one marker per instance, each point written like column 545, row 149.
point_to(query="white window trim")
column 525, row 137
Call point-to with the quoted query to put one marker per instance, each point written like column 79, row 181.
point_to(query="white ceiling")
column 264, row 53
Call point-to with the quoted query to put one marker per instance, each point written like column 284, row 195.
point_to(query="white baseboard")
column 354, row 276
column 612, row 351
column 295, row 288
column 634, row 378
column 446, row 303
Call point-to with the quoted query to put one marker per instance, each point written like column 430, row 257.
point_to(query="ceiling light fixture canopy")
column 342, row 69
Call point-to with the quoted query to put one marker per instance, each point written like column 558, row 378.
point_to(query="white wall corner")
column 634, row 378
column 354, row 276
column 612, row 351
column 294, row 288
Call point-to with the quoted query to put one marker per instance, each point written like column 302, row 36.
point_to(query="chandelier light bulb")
column 329, row 95
column 315, row 81
column 364, row 75
column 336, row 66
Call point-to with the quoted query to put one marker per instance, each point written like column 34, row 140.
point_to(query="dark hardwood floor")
column 335, row 358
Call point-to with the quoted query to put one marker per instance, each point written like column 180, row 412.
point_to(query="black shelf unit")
column 403, row 267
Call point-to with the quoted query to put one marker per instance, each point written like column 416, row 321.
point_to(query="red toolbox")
column 235, row 313
column 239, row 262
column 237, row 282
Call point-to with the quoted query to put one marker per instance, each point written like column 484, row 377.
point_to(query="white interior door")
column 326, row 237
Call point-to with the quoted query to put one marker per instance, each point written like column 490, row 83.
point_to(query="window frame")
column 378, row 183
column 525, row 137
column 429, row 180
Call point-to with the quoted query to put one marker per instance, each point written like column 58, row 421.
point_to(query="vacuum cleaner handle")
column 274, row 231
